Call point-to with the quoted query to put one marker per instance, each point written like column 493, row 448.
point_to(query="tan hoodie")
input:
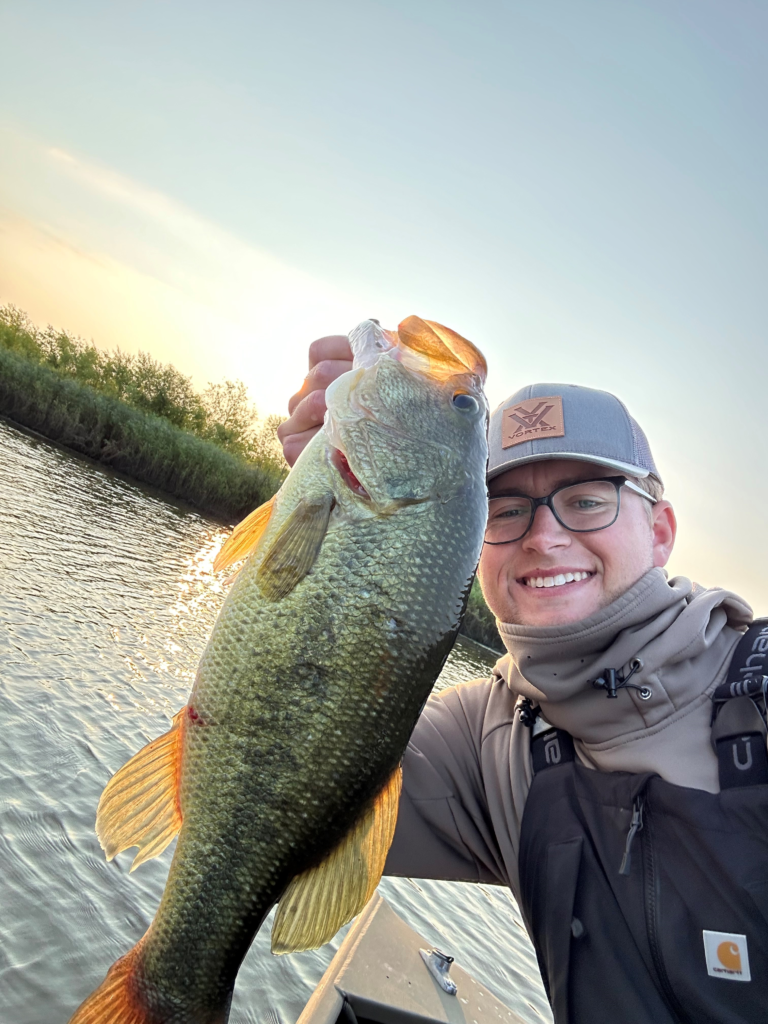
column 467, row 770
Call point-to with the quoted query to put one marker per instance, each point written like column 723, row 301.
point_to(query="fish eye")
column 464, row 402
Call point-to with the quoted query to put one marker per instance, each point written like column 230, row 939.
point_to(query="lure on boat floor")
column 281, row 776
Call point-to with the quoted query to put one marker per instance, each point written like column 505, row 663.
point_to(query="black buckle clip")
column 528, row 713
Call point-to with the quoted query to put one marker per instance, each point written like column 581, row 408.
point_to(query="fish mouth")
column 342, row 467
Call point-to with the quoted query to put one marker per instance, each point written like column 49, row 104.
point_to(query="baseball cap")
column 566, row 421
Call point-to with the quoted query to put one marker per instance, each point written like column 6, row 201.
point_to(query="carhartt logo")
column 727, row 956
column 528, row 421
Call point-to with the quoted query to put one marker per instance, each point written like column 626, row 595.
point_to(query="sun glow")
column 107, row 258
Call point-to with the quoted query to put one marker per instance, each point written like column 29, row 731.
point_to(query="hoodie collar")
column 662, row 621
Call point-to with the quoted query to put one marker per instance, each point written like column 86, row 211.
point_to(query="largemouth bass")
column 281, row 775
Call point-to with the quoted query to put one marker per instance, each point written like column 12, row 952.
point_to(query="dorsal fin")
column 140, row 803
column 321, row 900
column 245, row 537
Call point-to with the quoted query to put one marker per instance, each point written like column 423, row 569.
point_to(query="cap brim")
column 622, row 467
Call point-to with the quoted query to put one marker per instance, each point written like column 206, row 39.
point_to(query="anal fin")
column 140, row 803
column 321, row 900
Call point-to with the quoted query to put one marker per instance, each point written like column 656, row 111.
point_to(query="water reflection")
column 107, row 596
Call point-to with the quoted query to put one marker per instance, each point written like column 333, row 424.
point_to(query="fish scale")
column 303, row 705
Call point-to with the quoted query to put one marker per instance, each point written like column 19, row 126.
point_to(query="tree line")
column 221, row 413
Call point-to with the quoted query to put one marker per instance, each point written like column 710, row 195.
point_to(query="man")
column 586, row 773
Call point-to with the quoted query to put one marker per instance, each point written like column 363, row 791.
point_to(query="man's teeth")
column 555, row 581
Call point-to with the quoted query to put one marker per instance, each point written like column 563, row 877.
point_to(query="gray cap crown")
column 588, row 425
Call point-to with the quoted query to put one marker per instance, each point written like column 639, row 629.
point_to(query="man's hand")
column 328, row 359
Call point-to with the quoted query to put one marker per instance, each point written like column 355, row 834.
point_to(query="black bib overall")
column 648, row 902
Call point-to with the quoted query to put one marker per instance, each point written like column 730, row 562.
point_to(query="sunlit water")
column 107, row 596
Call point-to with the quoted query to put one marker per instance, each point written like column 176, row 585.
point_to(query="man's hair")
column 651, row 486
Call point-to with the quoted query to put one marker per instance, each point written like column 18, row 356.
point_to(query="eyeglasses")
column 585, row 507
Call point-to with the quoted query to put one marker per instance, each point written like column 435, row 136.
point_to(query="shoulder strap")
column 550, row 748
column 748, row 665
column 739, row 710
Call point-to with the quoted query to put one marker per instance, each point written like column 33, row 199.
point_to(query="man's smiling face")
column 613, row 559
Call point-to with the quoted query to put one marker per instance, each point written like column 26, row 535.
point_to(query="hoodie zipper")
column 635, row 825
column 651, row 917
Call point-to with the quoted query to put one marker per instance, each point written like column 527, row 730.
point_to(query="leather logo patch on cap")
column 532, row 420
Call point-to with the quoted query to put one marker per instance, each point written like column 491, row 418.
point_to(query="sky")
column 575, row 185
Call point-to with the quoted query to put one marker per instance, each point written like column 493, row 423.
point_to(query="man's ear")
column 664, row 528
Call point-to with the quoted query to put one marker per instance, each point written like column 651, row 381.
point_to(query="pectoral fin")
column 140, row 803
column 245, row 537
column 321, row 900
column 293, row 551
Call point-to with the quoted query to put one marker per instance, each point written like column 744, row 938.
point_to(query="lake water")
column 107, row 596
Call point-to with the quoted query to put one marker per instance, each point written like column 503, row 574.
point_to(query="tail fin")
column 127, row 997
column 116, row 1000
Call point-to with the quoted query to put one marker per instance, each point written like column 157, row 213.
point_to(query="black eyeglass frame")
column 617, row 481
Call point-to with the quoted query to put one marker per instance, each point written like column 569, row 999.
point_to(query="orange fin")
column 464, row 350
column 140, row 803
column 113, row 1002
column 321, row 900
column 245, row 537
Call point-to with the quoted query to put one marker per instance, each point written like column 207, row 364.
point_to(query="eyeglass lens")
column 582, row 507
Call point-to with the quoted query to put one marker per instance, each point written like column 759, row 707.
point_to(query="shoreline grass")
column 139, row 444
